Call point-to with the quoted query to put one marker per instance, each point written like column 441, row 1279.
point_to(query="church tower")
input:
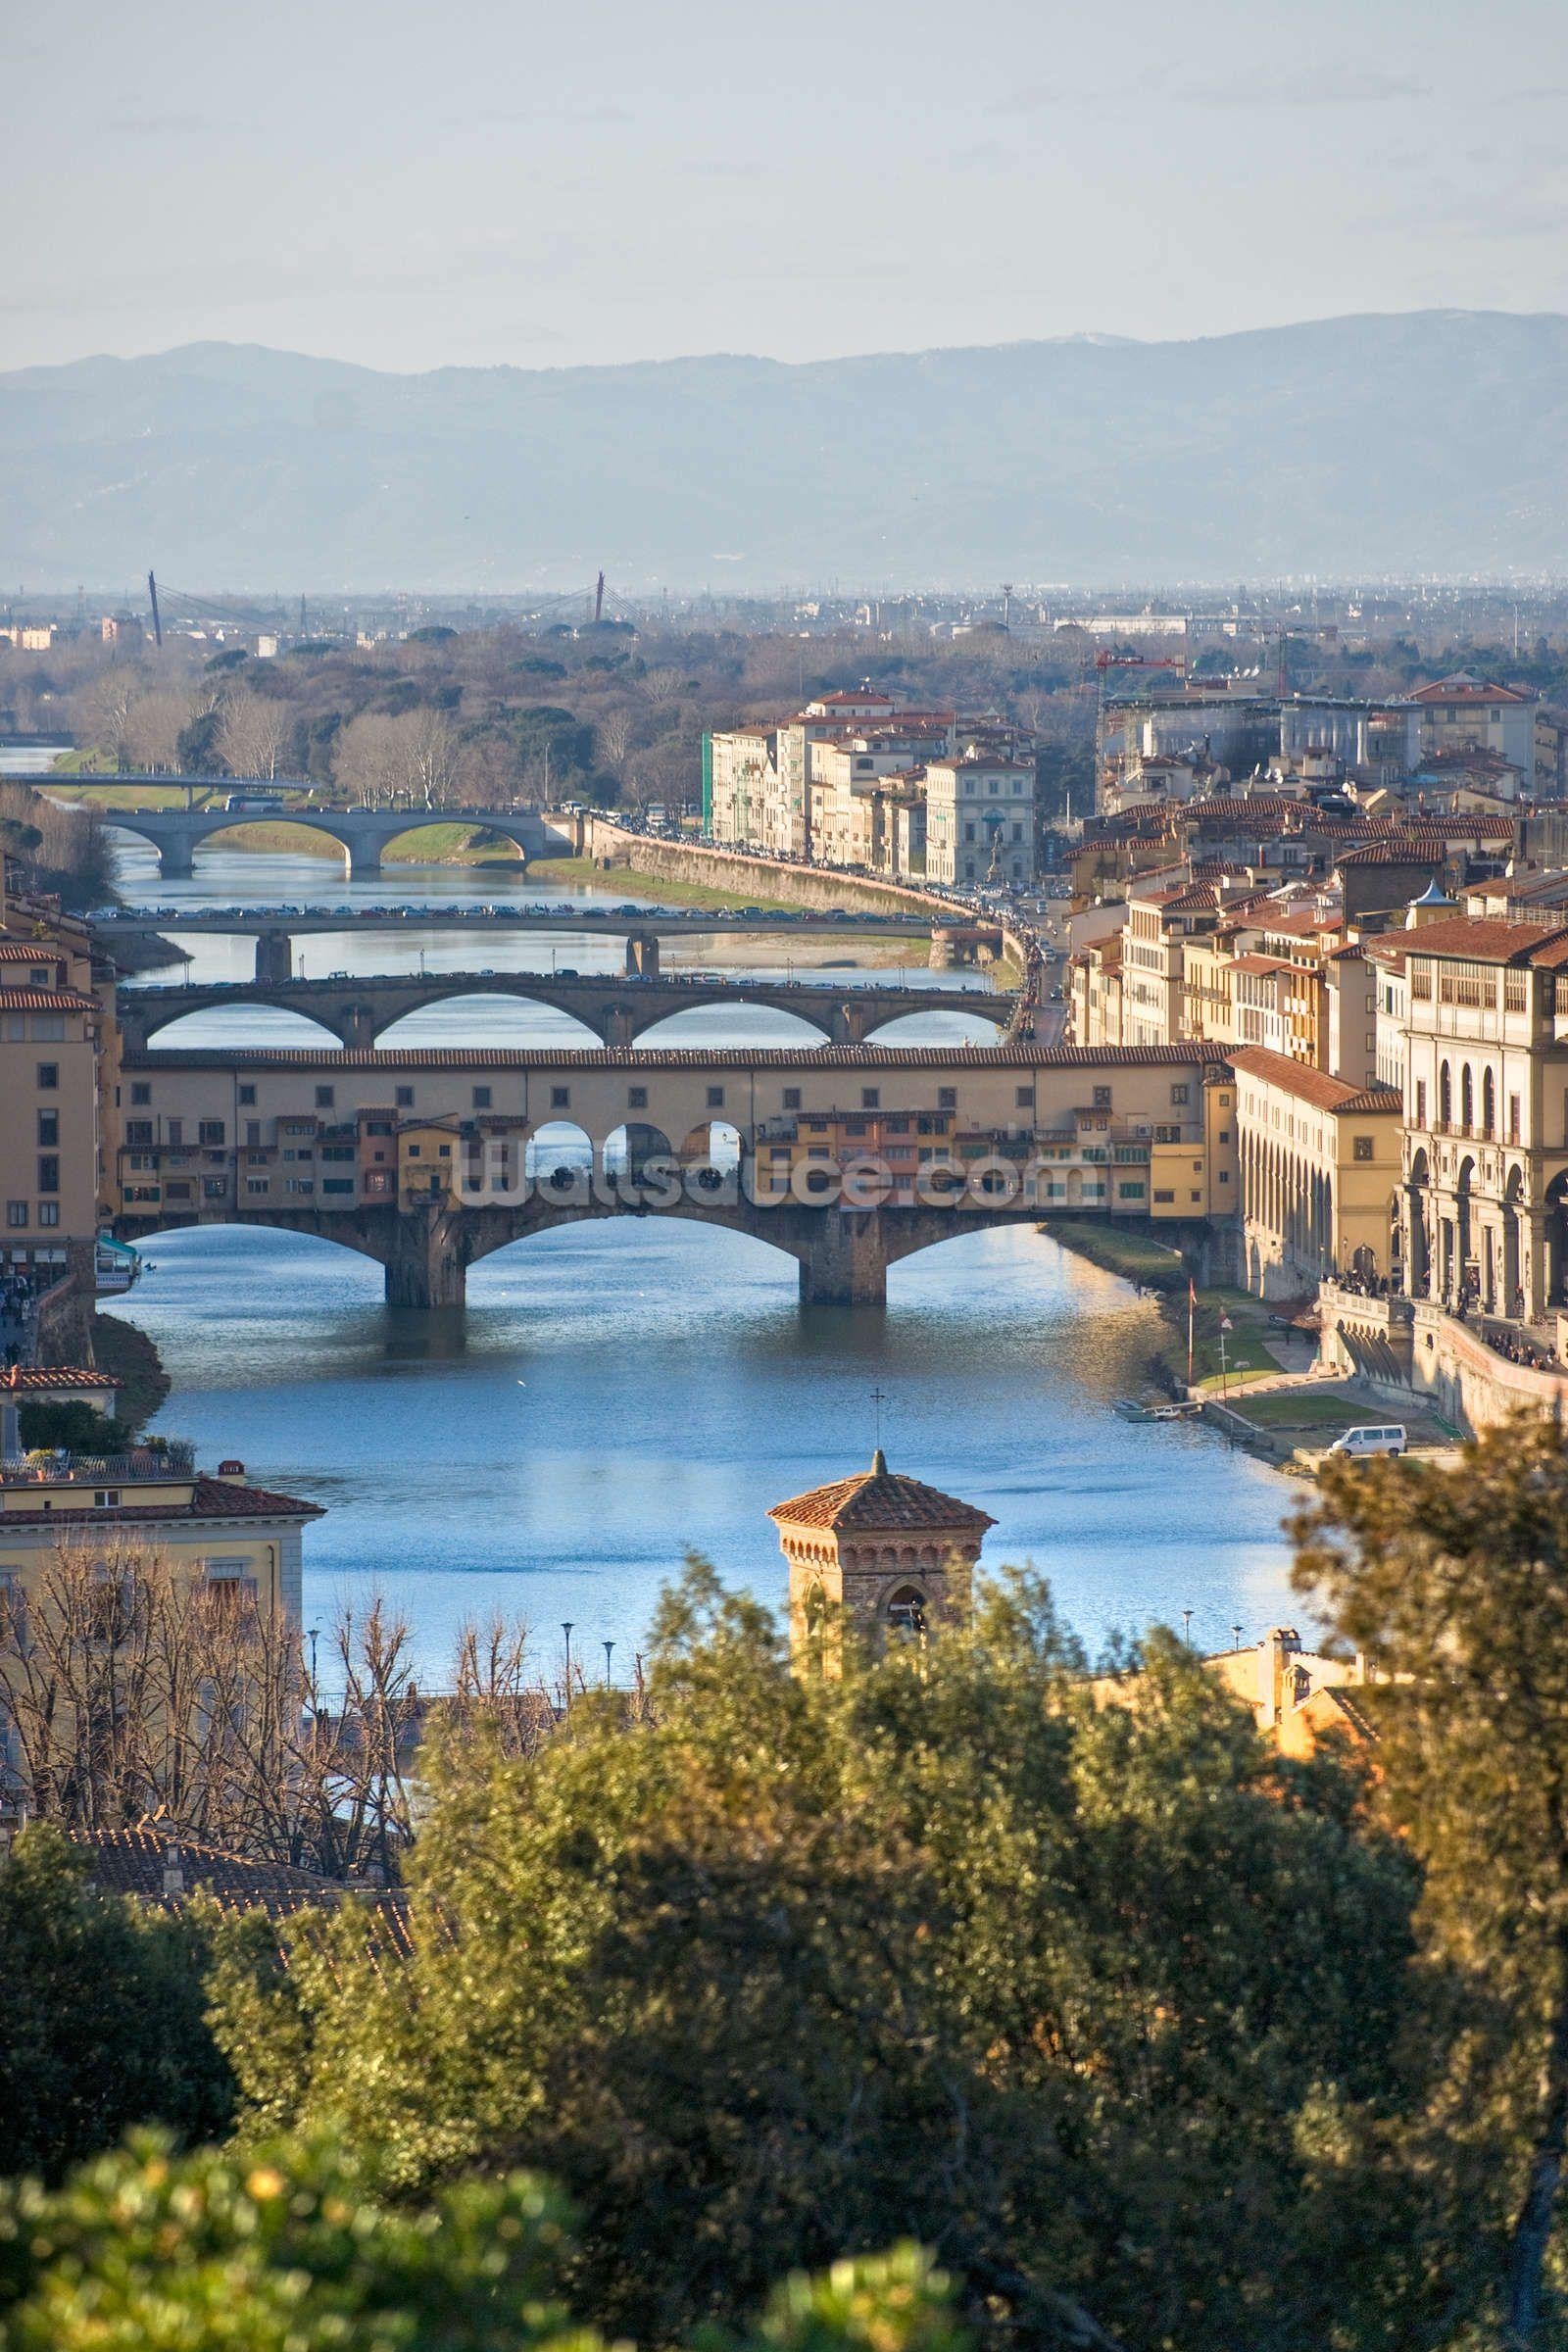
column 885, row 1555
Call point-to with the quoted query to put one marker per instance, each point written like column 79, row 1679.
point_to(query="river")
column 618, row 1392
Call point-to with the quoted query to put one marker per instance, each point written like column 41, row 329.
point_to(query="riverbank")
column 669, row 890
column 130, row 1356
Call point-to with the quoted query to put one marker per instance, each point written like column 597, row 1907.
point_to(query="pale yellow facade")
column 1319, row 1166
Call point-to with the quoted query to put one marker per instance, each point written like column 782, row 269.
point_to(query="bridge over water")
column 363, row 835
column 357, row 1011
column 848, row 1158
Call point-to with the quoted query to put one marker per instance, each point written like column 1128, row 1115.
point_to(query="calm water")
column 618, row 1392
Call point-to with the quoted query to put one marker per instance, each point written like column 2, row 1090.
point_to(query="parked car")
column 1370, row 1438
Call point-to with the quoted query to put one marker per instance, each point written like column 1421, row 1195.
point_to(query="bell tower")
column 886, row 1556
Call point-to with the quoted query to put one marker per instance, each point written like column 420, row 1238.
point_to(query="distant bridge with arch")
column 363, row 835
column 357, row 1011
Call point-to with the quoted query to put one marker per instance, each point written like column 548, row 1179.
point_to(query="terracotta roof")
column 1464, row 687
column 46, row 1000
column 57, row 1376
column 1393, row 853
column 880, row 1497
column 132, row 1861
column 1312, row 1086
column 1482, row 939
column 212, row 1499
column 37, row 951
column 795, row 1059
column 1264, row 963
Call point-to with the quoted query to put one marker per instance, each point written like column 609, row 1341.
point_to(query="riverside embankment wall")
column 1401, row 1349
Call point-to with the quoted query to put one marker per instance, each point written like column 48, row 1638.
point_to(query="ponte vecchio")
column 847, row 1157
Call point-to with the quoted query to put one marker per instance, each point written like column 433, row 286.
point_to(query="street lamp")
column 315, row 1637
column 566, row 1627
column 609, row 1646
column 1187, row 1627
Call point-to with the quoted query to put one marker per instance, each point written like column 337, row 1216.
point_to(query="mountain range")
column 1425, row 442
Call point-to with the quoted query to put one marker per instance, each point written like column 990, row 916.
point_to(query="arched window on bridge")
column 710, row 1155
column 559, row 1161
column 636, row 1152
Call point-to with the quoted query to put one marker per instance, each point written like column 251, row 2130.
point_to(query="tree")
column 101, row 2025
column 153, row 728
column 251, row 732
column 1453, row 1583
column 1097, row 1998
column 292, row 2248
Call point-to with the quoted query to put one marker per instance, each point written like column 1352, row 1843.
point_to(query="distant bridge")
column 363, row 835
column 357, row 1011
column 428, row 1159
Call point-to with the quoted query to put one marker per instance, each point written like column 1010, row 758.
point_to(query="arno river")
column 618, row 1392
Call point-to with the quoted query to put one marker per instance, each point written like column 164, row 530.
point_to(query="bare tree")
column 251, row 733
column 366, row 762
column 153, row 728
column 431, row 751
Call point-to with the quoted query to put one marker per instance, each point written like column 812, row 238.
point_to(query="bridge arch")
column 757, row 1020
column 408, row 1025
column 429, row 819
column 964, row 1025
column 214, row 1023
column 247, row 821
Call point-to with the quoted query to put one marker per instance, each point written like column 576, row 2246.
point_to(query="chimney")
column 173, row 1871
column 233, row 1470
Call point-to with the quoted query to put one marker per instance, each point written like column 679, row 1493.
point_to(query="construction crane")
column 158, row 626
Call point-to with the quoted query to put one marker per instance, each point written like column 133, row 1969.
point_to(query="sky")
column 411, row 185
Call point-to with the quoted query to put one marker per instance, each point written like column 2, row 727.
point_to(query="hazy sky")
column 414, row 182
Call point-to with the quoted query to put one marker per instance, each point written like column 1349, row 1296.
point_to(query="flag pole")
column 1192, row 1305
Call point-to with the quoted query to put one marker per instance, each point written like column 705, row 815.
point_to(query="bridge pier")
column 848, row 1024
column 176, row 855
column 275, row 958
column 642, row 954
column 427, row 1266
column 846, row 1261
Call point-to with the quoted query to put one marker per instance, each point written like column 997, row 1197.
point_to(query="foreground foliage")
column 100, row 2016
column 1098, row 2001
column 292, row 2249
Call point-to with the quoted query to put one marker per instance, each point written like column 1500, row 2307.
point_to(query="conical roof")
column 881, row 1498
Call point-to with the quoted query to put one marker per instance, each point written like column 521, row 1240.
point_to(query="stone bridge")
column 848, row 1158
column 359, row 1010
column 363, row 835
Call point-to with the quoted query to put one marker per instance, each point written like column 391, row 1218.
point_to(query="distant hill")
column 1435, row 441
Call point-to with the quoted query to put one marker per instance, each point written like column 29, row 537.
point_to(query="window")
column 404, row 1098
column 636, row 1098
column 247, row 1095
column 870, row 1098
column 177, row 1131
column 142, row 1091
column 482, row 1098
column 253, row 1131
column 215, row 1188
column 792, row 1098
column 48, row 1077
column 107, row 1498
column 1024, row 1098
column 1513, row 1118
column 947, row 1098
column 560, row 1098
column 16, row 1214
column 1421, row 1102
column 49, row 1128
column 210, row 1131
column 1129, row 1192
column 48, row 1173
column 1489, row 1103
column 257, row 1184
column 325, row 1095
column 1445, row 1098
column 1363, row 1147
column 1102, row 1098
column 1169, row 1197
column 48, row 1212
column 715, row 1097
column 337, row 1184
column 1178, row 1093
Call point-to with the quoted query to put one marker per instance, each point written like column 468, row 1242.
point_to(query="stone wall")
column 1404, row 1350
column 771, row 878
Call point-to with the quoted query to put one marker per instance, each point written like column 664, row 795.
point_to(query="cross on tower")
column 878, row 1401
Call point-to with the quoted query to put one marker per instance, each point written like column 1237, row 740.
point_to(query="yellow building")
column 152, row 1503
column 879, row 1554
column 1319, row 1168
column 52, row 1026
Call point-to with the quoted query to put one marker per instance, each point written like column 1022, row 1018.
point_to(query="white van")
column 1370, row 1439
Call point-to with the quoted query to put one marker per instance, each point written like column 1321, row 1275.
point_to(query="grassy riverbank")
column 663, row 887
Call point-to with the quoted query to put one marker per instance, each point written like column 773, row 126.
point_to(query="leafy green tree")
column 1089, row 1992
column 292, row 2248
column 78, row 1427
column 102, row 2020
column 1455, row 1585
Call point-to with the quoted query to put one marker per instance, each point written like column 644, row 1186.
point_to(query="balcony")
column 143, row 1465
